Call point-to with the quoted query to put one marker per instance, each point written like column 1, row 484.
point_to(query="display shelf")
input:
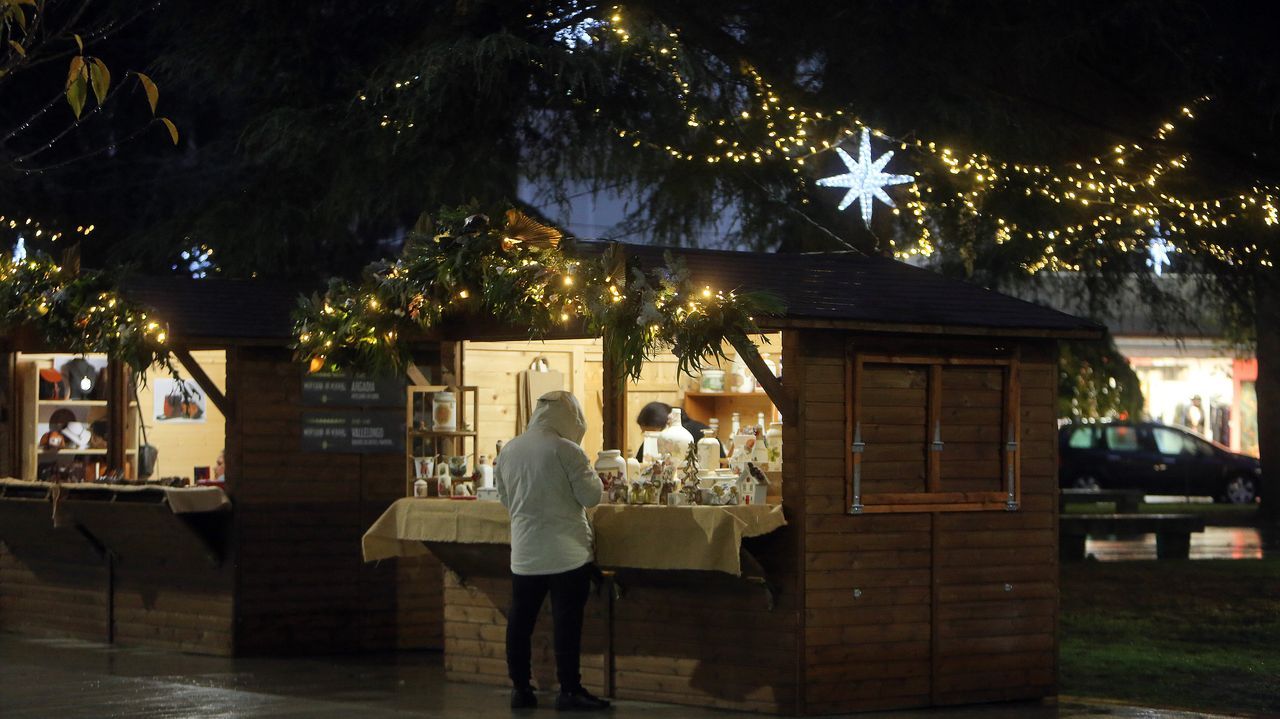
column 435, row 442
column 702, row 406
column 65, row 451
column 71, row 402
column 34, row 413
column 442, row 433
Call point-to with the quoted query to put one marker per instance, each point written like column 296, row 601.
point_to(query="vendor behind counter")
column 653, row 418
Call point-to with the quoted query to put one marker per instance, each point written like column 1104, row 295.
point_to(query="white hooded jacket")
column 546, row 481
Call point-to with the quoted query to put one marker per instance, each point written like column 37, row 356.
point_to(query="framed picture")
column 177, row 401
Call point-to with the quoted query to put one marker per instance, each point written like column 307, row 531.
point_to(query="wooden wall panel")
column 53, row 587
column 301, row 584
column 475, row 624
column 918, row 609
column 159, row 590
column 709, row 645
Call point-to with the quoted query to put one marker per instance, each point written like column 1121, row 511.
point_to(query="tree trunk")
column 1267, row 325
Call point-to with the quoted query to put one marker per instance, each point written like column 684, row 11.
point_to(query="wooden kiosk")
column 277, row 571
column 918, row 564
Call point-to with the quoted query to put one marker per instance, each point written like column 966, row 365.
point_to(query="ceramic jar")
column 712, row 380
column 773, row 370
column 421, row 488
column 739, row 378
column 612, row 469
column 444, row 412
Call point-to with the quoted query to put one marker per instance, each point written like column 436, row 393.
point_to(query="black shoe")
column 580, row 700
column 524, row 698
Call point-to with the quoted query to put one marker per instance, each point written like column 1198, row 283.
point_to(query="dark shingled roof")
column 841, row 287
column 854, row 288
column 217, row 308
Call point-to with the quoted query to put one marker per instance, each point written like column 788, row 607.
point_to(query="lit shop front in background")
column 1198, row 384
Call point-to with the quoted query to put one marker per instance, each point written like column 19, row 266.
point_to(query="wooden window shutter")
column 931, row 433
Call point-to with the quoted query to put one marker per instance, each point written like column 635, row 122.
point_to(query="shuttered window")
column 929, row 434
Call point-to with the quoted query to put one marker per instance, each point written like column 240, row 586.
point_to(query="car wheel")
column 1240, row 490
column 1087, row 481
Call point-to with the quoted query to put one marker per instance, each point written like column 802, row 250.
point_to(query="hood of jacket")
column 560, row 412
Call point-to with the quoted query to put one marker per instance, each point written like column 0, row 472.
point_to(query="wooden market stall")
column 917, row 565
column 272, row 568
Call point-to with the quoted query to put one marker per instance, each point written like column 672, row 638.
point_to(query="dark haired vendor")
column 653, row 418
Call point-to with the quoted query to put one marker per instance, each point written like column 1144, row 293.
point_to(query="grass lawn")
column 1199, row 634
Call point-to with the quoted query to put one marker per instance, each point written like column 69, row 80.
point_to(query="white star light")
column 865, row 179
column 1158, row 251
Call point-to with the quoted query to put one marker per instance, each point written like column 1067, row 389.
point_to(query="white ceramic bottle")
column 708, row 451
column 773, row 441
column 650, row 448
column 675, row 440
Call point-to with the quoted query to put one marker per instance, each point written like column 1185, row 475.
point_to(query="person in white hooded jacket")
column 546, row 482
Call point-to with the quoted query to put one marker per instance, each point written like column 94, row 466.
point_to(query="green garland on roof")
column 78, row 312
column 520, row 274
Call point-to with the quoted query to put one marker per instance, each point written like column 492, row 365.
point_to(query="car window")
column 1081, row 438
column 1122, row 439
column 1201, row 447
column 1171, row 441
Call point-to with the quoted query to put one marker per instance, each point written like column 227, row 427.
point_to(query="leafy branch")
column 80, row 313
column 520, row 275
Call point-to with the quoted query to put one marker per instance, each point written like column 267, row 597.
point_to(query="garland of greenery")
column 79, row 312
column 521, row 275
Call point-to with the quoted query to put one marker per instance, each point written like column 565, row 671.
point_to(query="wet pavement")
column 1212, row 543
column 72, row 679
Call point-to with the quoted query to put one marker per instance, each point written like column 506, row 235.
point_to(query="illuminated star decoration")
column 1158, row 250
column 865, row 179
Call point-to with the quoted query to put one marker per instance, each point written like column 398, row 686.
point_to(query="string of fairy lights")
column 1120, row 197
column 80, row 311
column 520, row 276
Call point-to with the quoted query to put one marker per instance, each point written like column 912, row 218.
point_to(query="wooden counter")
column 694, row 632
column 139, row 564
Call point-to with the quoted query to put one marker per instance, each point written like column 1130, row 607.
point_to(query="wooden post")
column 451, row 363
column 118, row 383
column 10, row 442
column 613, row 408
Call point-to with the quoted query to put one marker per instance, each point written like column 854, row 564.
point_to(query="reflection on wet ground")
column 1212, row 543
column 72, row 679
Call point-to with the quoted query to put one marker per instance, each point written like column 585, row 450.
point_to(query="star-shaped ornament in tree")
column 865, row 179
column 1158, row 250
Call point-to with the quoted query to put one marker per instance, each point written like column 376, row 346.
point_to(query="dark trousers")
column 568, row 592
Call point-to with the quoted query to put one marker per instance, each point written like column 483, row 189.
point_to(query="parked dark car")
column 1155, row 458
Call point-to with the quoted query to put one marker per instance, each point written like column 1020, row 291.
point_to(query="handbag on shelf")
column 531, row 384
column 148, row 454
column 52, row 384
